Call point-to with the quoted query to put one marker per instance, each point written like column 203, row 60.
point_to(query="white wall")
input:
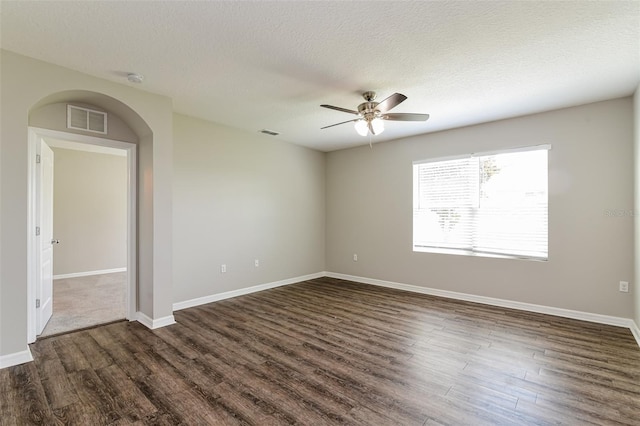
column 89, row 211
column 369, row 211
column 240, row 197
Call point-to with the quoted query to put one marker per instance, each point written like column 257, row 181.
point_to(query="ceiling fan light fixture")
column 371, row 115
column 361, row 127
column 378, row 125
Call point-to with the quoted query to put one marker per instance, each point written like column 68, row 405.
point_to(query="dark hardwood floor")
column 328, row 351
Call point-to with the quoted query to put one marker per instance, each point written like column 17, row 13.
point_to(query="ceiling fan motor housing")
column 368, row 109
column 369, row 96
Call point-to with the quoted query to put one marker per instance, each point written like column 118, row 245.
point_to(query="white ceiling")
column 255, row 65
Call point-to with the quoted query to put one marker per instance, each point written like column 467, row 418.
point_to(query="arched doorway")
column 48, row 119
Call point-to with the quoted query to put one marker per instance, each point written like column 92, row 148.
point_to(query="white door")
column 44, row 290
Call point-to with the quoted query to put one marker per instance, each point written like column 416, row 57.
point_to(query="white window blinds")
column 493, row 204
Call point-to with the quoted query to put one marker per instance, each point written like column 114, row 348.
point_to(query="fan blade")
column 337, row 124
column 391, row 102
column 340, row 109
column 406, row 117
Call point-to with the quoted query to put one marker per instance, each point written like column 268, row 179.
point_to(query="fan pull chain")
column 370, row 145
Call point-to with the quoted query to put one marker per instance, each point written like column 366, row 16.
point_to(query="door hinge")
column 37, row 231
column 37, row 158
column 37, row 303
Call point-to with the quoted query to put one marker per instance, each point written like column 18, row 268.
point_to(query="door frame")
column 32, row 256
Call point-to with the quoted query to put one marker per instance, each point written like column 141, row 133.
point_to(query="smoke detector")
column 135, row 77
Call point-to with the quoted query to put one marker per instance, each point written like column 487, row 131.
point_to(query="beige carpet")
column 86, row 301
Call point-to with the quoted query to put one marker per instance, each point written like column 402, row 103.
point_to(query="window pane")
column 447, row 194
column 490, row 204
column 512, row 213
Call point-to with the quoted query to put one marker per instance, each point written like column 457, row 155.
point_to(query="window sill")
column 460, row 252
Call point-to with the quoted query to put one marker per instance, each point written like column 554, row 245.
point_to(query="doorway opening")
column 91, row 295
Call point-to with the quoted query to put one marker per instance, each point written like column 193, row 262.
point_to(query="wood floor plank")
column 93, row 393
column 69, row 354
column 8, row 403
column 327, row 352
column 169, row 335
column 285, row 402
column 128, row 398
column 239, row 403
column 118, row 352
column 59, row 391
column 27, row 398
column 93, row 353
column 193, row 404
column 77, row 414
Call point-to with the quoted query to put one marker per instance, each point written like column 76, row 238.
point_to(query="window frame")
column 467, row 251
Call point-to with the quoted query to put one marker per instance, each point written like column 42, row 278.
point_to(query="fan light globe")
column 378, row 125
column 361, row 127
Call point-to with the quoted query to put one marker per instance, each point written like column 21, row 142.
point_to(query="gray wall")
column 240, row 197
column 89, row 211
column 26, row 85
column 634, row 287
column 54, row 117
column 145, row 226
column 369, row 211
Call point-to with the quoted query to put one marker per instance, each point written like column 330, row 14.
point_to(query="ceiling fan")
column 371, row 114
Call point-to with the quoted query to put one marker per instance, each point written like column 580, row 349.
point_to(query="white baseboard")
column 241, row 292
column 635, row 331
column 16, row 358
column 155, row 323
column 88, row 273
column 560, row 312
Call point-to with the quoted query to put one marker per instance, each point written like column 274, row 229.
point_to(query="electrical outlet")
column 624, row 286
column 223, row 268
column 355, row 257
column 257, row 263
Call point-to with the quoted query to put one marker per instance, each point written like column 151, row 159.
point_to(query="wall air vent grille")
column 89, row 120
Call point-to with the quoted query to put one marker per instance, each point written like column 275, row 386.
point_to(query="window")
column 483, row 204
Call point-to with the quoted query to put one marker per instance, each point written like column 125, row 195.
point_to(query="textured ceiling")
column 255, row 65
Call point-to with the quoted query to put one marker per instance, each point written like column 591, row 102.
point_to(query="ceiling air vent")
column 89, row 120
column 269, row 132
